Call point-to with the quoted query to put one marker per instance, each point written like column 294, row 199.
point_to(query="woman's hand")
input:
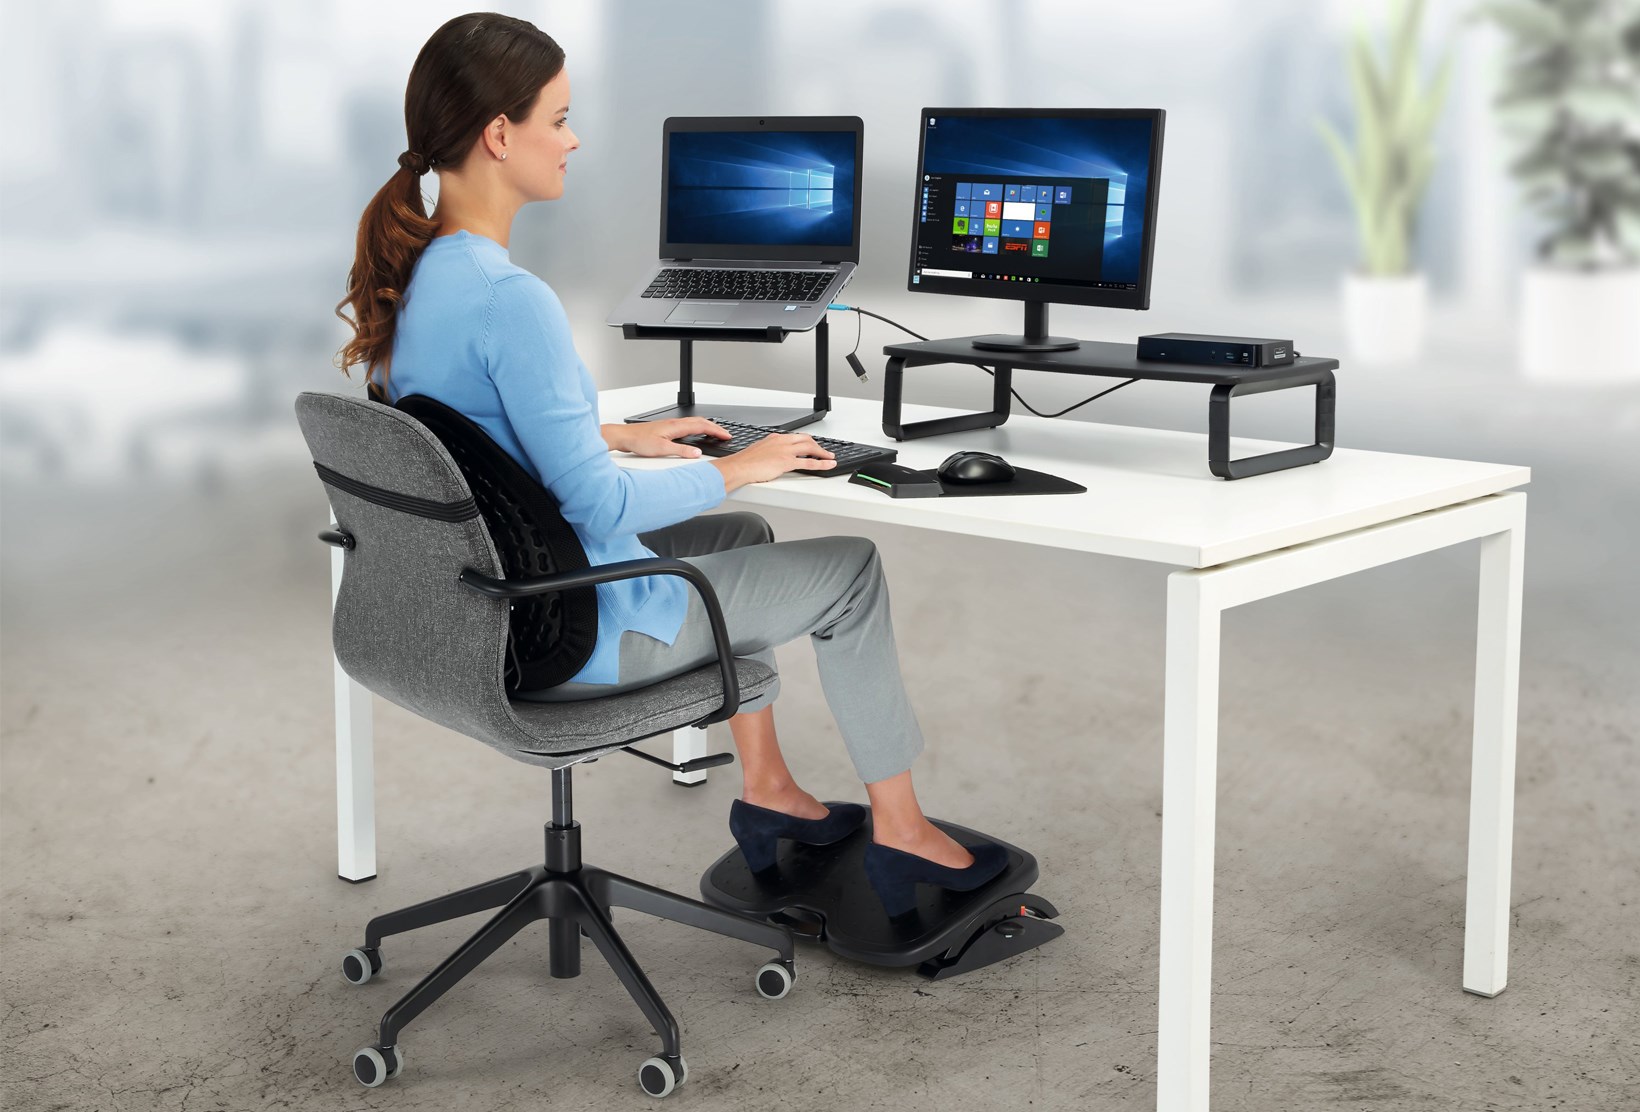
column 772, row 457
column 659, row 438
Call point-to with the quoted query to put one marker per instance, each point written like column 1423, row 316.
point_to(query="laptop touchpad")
column 700, row 312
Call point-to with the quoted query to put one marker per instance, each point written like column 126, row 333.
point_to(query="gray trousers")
column 830, row 588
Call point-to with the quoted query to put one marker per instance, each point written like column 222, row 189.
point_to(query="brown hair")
column 476, row 67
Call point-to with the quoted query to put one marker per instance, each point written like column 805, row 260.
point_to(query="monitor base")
column 1034, row 338
column 1001, row 341
column 786, row 420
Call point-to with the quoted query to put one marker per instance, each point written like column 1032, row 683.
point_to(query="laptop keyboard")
column 720, row 284
column 850, row 456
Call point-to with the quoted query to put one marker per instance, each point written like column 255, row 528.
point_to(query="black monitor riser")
column 1100, row 358
column 770, row 416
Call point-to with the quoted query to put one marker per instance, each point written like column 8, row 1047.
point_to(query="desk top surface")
column 1150, row 495
column 1099, row 357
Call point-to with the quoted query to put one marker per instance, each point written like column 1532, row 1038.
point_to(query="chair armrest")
column 628, row 569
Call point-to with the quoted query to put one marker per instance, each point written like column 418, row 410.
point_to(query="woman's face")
column 540, row 145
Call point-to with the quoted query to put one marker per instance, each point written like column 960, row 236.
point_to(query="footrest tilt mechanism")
column 1021, row 924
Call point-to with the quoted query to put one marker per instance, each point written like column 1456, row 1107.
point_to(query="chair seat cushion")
column 614, row 721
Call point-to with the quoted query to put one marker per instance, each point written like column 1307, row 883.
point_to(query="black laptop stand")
column 770, row 416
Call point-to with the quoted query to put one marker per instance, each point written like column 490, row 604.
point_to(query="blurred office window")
column 191, row 174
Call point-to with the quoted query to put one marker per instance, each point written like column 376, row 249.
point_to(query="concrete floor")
column 172, row 922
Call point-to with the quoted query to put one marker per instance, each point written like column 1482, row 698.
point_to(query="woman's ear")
column 495, row 137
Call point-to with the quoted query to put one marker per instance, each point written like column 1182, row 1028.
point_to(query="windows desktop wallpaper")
column 779, row 188
column 1000, row 148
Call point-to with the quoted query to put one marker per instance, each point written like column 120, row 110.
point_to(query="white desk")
column 1150, row 497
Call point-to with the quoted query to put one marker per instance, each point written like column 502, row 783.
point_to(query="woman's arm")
column 549, row 401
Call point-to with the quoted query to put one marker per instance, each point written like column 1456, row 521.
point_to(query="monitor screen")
column 1037, row 204
column 754, row 189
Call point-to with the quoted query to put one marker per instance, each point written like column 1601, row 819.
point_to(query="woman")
column 439, row 309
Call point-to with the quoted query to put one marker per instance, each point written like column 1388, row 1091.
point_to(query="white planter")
column 1581, row 326
column 1384, row 318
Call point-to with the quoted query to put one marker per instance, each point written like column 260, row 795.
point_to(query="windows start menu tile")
column 1055, row 223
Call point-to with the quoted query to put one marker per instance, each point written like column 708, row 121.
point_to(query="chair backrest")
column 551, row 636
column 402, row 625
column 407, row 629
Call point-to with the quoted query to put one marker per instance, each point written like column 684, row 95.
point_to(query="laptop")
column 760, row 223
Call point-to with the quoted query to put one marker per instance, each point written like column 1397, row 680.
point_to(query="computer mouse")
column 975, row 467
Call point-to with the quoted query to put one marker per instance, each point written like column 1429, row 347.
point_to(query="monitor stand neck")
column 1036, row 336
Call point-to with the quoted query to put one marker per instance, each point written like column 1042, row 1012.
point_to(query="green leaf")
column 1574, row 249
column 1371, row 128
column 1528, row 119
column 1348, row 171
column 1558, row 181
column 1536, row 160
column 1628, row 234
column 1402, row 84
column 1602, row 105
column 1396, row 114
column 1524, row 85
column 1530, row 23
column 1365, row 81
column 1601, row 165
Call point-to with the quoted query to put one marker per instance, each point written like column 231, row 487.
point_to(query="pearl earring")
column 503, row 156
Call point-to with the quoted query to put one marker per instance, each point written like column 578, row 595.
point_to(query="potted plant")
column 1386, row 172
column 1570, row 98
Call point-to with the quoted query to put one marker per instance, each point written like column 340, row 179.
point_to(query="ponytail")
column 474, row 68
column 393, row 232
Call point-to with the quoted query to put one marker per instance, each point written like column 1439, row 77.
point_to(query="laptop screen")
column 761, row 193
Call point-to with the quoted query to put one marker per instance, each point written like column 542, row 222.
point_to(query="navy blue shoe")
column 895, row 874
column 758, row 830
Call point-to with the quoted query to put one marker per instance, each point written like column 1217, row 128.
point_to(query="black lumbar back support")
column 551, row 636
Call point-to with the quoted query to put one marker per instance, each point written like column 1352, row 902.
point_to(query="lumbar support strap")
column 462, row 510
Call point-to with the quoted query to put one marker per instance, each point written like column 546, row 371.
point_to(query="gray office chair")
column 461, row 584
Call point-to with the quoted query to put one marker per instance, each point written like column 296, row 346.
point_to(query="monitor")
column 1037, row 205
column 763, row 188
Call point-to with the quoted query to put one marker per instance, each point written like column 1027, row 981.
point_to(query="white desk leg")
column 1195, row 601
column 1492, row 777
column 1190, row 738
column 687, row 744
column 355, row 765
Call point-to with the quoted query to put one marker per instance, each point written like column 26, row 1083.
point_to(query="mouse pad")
column 1024, row 482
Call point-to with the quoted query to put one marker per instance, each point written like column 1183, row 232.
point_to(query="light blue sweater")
column 491, row 341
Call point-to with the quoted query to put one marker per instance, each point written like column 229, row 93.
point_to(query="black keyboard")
column 720, row 284
column 850, row 456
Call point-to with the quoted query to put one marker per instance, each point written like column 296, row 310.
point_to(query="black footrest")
column 821, row 894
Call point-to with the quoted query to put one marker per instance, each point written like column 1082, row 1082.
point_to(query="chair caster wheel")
column 658, row 1076
column 358, row 966
column 774, row 980
column 375, row 1064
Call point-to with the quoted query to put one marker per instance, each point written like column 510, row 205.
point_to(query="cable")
column 860, row 370
column 885, row 320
